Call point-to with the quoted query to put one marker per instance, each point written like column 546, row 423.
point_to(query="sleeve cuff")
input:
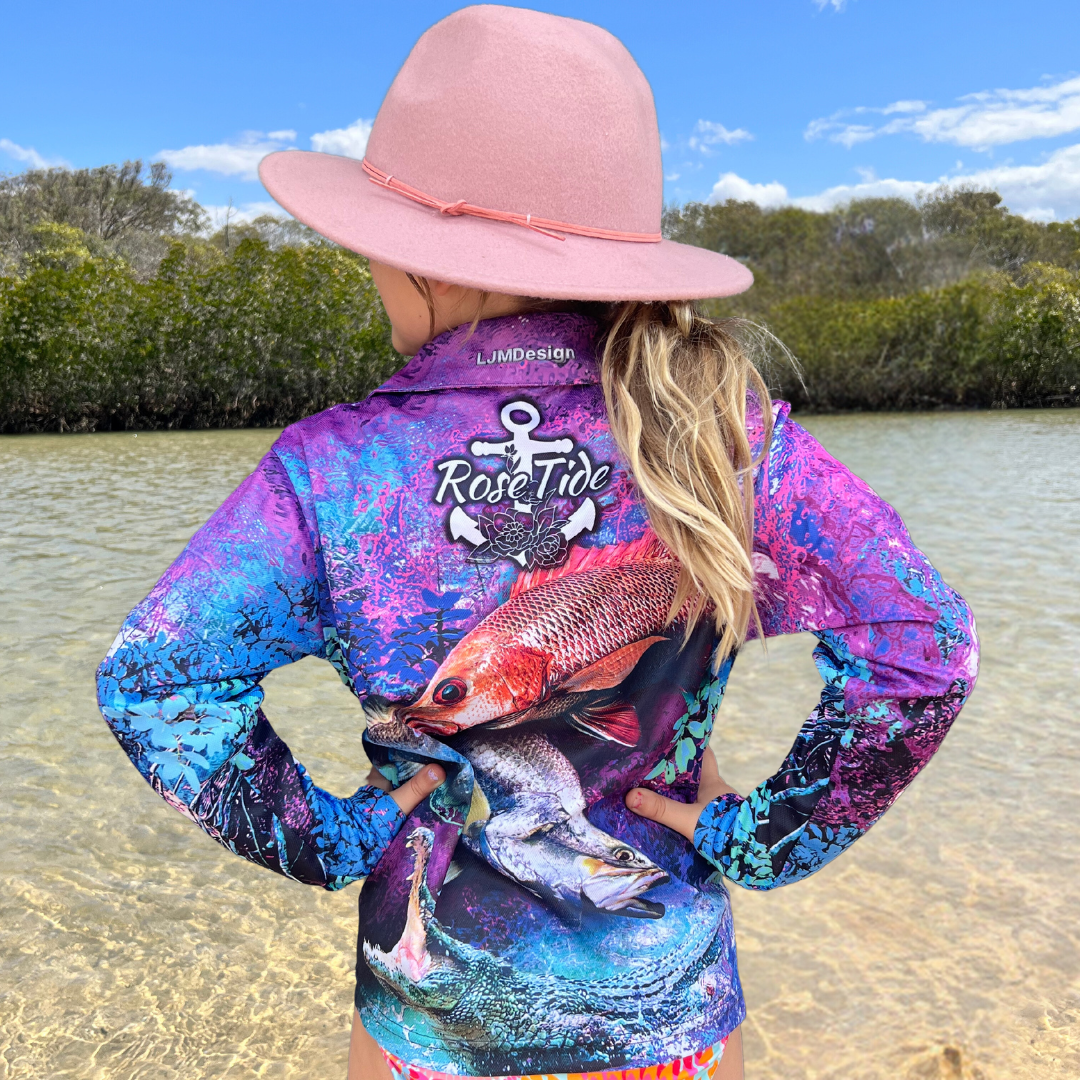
column 353, row 834
column 715, row 827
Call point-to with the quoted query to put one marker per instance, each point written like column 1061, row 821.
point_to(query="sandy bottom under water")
column 944, row 945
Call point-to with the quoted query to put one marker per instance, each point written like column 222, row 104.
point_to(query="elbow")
column 106, row 687
column 112, row 664
column 958, row 645
column 119, row 686
column 943, row 654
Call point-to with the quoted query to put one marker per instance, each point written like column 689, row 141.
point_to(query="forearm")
column 180, row 689
column 221, row 764
column 896, row 649
column 853, row 757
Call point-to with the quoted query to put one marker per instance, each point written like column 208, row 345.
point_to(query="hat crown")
column 525, row 112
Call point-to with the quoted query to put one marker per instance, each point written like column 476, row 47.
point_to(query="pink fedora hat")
column 516, row 152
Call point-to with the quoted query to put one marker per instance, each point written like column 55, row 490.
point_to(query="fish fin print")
column 617, row 722
column 647, row 546
column 480, row 809
column 610, row 670
column 569, row 910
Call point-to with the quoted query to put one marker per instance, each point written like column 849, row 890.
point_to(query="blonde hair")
column 676, row 385
column 676, row 388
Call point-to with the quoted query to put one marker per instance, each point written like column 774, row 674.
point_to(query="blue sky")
column 804, row 101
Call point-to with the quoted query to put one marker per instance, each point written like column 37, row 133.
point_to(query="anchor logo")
column 522, row 447
column 540, row 475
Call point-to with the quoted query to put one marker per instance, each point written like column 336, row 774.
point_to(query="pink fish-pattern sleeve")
column 896, row 648
column 180, row 689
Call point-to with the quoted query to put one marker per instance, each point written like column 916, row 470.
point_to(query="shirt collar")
column 538, row 349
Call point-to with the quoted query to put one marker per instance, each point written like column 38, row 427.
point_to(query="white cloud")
column 989, row 118
column 868, row 189
column 846, row 134
column 240, row 215
column 1049, row 188
column 1046, row 191
column 733, row 186
column 1040, row 213
column 240, row 158
column 836, row 5
column 708, row 133
column 904, row 107
column 349, row 142
column 29, row 156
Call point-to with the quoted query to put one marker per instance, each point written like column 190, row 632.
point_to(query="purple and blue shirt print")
column 468, row 549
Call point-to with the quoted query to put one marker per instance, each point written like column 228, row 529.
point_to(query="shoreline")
column 796, row 412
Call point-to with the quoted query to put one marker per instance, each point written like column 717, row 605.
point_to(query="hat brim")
column 335, row 197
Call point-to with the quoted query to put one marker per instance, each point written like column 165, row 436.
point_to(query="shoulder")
column 797, row 462
column 327, row 436
column 755, row 425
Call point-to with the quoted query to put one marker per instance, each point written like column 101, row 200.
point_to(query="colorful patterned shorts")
column 699, row 1066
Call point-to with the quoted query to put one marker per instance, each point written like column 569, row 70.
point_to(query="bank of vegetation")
column 887, row 304
column 120, row 308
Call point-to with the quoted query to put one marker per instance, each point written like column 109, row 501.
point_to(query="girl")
column 532, row 554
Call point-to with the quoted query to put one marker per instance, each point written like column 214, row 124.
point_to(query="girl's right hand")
column 413, row 792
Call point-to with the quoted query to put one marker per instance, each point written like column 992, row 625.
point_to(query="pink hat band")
column 515, row 152
column 554, row 229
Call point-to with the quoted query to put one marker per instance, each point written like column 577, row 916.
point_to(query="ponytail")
column 676, row 386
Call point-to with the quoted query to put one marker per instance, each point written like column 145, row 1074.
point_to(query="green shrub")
column 1036, row 344
column 260, row 338
column 985, row 342
column 68, row 336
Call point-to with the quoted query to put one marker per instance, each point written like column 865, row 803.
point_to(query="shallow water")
column 945, row 944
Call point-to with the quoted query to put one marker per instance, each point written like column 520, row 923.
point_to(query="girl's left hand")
column 682, row 817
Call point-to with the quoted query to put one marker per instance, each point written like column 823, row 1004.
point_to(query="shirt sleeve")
column 180, row 689
column 896, row 648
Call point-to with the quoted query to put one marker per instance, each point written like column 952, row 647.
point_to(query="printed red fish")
column 563, row 638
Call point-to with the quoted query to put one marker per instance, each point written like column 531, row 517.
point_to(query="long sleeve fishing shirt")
column 468, row 549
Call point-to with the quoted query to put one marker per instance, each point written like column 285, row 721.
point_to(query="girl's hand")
column 682, row 817
column 413, row 792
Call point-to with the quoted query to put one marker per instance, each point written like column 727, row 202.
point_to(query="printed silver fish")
column 528, row 822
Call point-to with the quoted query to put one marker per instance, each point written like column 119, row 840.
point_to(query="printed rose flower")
column 550, row 550
column 504, row 535
column 507, row 536
column 547, row 545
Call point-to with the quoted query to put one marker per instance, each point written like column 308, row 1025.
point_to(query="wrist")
column 715, row 826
